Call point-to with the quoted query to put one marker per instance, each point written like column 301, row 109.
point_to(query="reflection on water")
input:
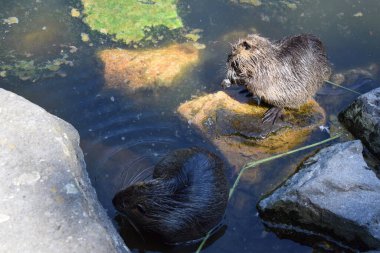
column 123, row 135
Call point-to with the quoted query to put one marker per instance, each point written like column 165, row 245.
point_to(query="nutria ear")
column 246, row 45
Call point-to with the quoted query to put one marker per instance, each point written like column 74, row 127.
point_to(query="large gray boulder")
column 334, row 195
column 362, row 118
column 47, row 203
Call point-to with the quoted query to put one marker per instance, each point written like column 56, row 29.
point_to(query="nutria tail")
column 185, row 199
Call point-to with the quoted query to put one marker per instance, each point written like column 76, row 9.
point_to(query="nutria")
column 186, row 198
column 284, row 73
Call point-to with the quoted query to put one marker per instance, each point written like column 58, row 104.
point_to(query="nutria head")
column 182, row 202
column 246, row 58
column 144, row 204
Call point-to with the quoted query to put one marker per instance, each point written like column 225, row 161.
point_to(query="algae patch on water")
column 29, row 69
column 252, row 2
column 130, row 20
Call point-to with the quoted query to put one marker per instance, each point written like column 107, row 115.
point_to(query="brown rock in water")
column 235, row 126
column 135, row 69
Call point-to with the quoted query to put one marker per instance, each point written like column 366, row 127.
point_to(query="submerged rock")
column 349, row 76
column 235, row 126
column 135, row 69
column 334, row 196
column 362, row 118
column 47, row 203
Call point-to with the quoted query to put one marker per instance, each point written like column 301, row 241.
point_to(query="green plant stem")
column 340, row 86
column 203, row 242
column 253, row 164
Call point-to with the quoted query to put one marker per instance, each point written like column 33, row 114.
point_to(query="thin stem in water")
column 340, row 86
column 253, row 164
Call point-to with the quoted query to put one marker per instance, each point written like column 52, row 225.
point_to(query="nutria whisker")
column 135, row 228
column 137, row 177
column 124, row 175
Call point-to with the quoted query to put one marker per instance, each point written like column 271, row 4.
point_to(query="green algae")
column 10, row 20
column 30, row 69
column 131, row 20
column 253, row 2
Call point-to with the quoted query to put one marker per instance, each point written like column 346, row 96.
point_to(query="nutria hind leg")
column 272, row 115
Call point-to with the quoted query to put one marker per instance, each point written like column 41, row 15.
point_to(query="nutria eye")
column 246, row 45
column 140, row 208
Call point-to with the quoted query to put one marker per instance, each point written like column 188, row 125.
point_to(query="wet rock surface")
column 47, row 203
column 334, row 195
column 233, row 123
column 144, row 69
column 362, row 118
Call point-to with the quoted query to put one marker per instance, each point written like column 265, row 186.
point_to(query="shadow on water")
column 124, row 135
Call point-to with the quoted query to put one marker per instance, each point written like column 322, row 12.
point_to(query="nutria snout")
column 284, row 73
column 186, row 198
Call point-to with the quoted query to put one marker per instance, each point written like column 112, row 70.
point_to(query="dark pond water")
column 122, row 134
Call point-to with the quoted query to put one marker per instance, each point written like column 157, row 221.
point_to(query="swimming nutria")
column 283, row 73
column 186, row 198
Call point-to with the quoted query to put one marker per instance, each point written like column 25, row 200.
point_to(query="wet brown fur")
column 283, row 73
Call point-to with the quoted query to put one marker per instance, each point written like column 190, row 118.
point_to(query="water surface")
column 123, row 133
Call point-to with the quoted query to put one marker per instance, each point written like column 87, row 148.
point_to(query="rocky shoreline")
column 47, row 202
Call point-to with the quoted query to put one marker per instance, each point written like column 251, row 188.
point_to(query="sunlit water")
column 124, row 134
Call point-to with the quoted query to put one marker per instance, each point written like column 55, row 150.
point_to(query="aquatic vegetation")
column 85, row 37
column 135, row 69
column 131, row 20
column 75, row 13
column 10, row 20
column 252, row 2
column 32, row 70
column 194, row 35
column 291, row 4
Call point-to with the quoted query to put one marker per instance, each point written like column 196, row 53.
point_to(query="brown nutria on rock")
column 284, row 73
column 186, row 198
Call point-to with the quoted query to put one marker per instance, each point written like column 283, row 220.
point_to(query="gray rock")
column 47, row 203
column 362, row 118
column 334, row 194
